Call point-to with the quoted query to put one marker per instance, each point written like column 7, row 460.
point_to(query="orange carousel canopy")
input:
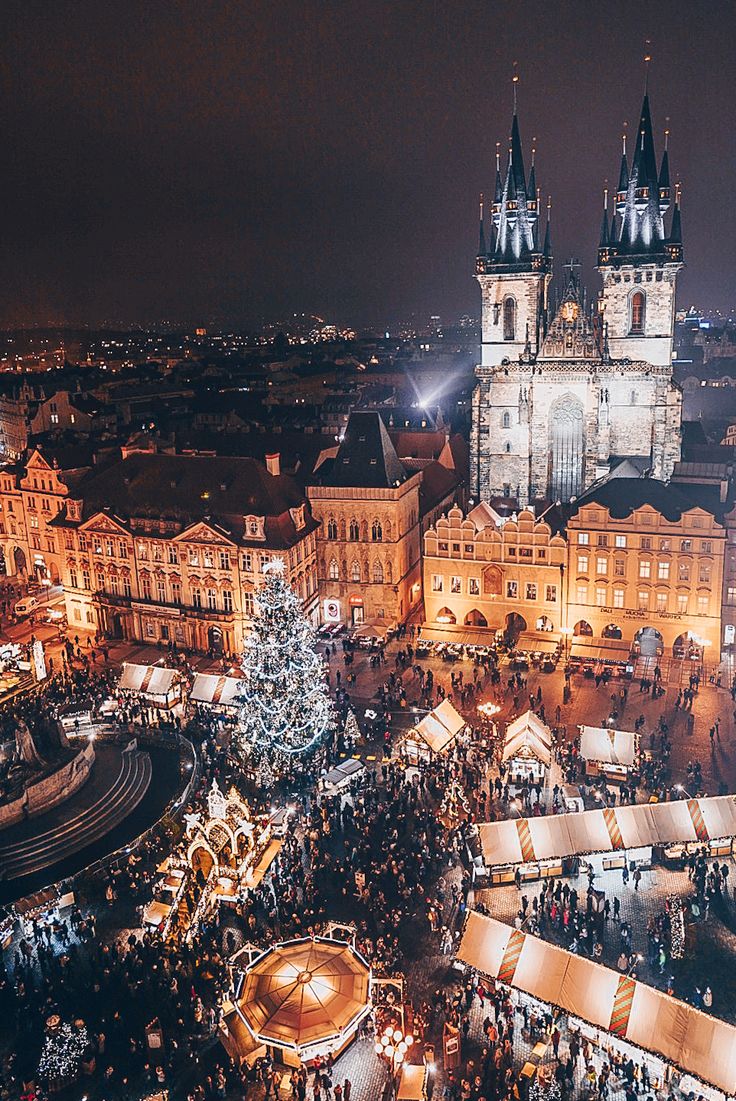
column 305, row 992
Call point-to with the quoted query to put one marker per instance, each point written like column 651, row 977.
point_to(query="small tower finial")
column 623, row 137
column 498, row 156
column 647, row 63
column 666, row 133
column 515, row 82
column 534, row 150
column 605, row 195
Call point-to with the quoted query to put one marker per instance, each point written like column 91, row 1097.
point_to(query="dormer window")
column 255, row 527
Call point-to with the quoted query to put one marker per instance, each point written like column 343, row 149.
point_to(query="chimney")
column 273, row 464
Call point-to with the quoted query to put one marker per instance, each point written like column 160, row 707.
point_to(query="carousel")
column 305, row 997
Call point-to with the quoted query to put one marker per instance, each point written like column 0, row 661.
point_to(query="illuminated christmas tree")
column 285, row 707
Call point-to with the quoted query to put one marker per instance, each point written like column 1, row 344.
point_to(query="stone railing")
column 50, row 790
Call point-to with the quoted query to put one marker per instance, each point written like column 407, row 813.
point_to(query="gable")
column 203, row 533
column 102, row 521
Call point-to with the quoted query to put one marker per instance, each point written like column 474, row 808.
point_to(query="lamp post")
column 392, row 1047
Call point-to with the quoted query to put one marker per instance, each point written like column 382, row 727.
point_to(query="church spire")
column 514, row 245
column 603, row 243
column 482, row 250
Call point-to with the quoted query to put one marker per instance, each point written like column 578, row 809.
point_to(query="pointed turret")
column 664, row 177
column 482, row 249
column 623, row 180
column 547, row 247
column 603, row 243
column 676, row 228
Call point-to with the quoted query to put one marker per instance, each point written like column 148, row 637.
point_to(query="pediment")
column 203, row 533
column 102, row 521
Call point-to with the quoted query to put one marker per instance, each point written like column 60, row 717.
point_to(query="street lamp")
column 392, row 1047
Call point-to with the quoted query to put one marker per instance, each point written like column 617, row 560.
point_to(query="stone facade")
column 481, row 573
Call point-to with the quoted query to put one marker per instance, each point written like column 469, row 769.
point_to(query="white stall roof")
column 609, row 747
column 218, row 691
column 151, row 680
column 517, row 840
column 680, row 1034
column 528, row 736
column 440, row 726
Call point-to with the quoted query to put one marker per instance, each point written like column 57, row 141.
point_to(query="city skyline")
column 157, row 168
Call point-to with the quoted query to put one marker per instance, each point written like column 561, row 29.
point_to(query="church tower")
column 637, row 258
column 514, row 272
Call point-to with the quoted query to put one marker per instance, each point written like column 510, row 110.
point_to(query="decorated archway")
column 688, row 647
column 446, row 615
column 544, row 623
column 582, row 627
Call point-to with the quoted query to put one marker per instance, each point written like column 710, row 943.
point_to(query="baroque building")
column 561, row 399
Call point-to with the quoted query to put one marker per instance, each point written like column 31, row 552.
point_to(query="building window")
column 704, row 573
column 512, row 590
column 683, row 571
column 85, row 580
column 150, row 629
column 643, row 598
column 193, row 556
column 354, row 532
column 332, row 529
column 227, row 600
column 645, row 568
column 509, row 318
column 506, row 420
column 376, row 531
column 602, row 540
column 473, row 586
column 176, row 592
column 355, row 571
column 377, row 573
column 541, row 553
column 437, row 583
column 682, row 603
column 619, row 567
column 126, row 586
column 646, row 541
column 456, row 584
column 665, row 544
column 600, row 596
column 620, row 542
column 113, row 585
column 582, row 594
column 248, row 605
column 601, row 566
column 706, row 546
column 212, row 600
column 661, row 602
column 637, row 313
column 583, row 538
column 172, row 555
column 209, row 559
column 224, row 560
column 618, row 598
column 161, row 590
column 686, row 545
column 703, row 605
column 146, row 586
column 531, row 590
column 197, row 598
column 550, row 594
column 157, row 554
column 663, row 571
column 73, row 579
column 248, row 562
column 731, row 594
column 582, row 563
column 333, row 570
column 123, row 550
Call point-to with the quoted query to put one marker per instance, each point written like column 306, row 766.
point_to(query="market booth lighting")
column 307, row 996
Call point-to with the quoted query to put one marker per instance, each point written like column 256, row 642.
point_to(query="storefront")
column 155, row 684
column 434, row 734
column 217, row 693
column 527, row 751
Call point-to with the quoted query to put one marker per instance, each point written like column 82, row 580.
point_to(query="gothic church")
column 562, row 400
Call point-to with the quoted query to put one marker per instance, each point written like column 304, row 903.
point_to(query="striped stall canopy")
column 613, row 829
column 631, row 1010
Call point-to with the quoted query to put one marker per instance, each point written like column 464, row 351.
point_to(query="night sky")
column 224, row 163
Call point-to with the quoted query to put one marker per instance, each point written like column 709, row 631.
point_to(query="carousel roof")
column 305, row 991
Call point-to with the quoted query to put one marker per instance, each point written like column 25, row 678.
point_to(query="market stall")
column 607, row 838
column 215, row 692
column 341, row 776
column 608, row 656
column 527, row 750
column 608, row 753
column 433, row 734
column 305, row 997
column 624, row 1012
column 156, row 684
column 537, row 648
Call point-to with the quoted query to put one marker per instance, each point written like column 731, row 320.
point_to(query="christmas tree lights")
column 285, row 707
column 62, row 1052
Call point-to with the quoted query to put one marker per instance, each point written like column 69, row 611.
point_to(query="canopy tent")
column 305, row 992
column 619, row 1004
column 439, row 727
column 521, row 840
column 538, row 642
column 215, row 691
column 459, row 636
column 148, row 680
column 610, row 747
column 341, row 775
column 528, row 737
column 587, row 648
